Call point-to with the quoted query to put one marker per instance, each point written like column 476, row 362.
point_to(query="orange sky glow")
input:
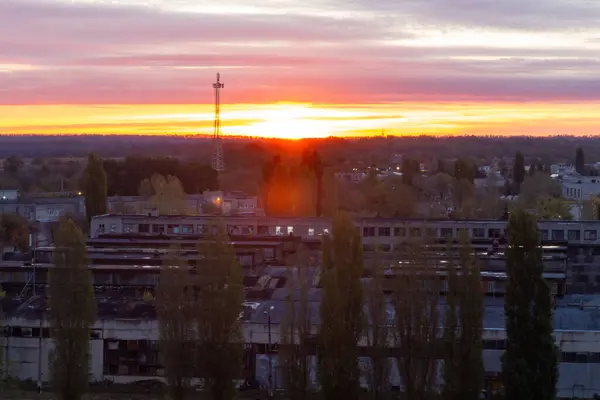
column 298, row 120
column 300, row 69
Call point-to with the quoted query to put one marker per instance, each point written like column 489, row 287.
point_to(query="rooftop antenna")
column 217, row 161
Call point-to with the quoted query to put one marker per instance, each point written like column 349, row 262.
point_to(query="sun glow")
column 296, row 120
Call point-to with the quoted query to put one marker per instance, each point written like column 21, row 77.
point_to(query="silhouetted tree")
column 377, row 332
column 72, row 312
column 94, row 187
column 580, row 161
column 519, row 169
column 14, row 231
column 415, row 297
column 175, row 305
column 530, row 362
column 13, row 164
column 463, row 362
column 341, row 307
column 218, row 324
column 296, row 329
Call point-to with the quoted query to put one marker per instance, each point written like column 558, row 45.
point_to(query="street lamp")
column 269, row 352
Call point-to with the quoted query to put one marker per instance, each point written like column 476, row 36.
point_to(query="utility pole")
column 268, row 313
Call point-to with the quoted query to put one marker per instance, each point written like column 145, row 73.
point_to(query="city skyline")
column 310, row 69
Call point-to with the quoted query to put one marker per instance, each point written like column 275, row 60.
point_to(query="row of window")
column 476, row 233
column 367, row 231
column 573, row 192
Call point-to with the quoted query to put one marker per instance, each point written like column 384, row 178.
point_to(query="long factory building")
column 126, row 252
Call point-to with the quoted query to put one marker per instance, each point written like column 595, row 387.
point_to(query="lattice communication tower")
column 218, row 163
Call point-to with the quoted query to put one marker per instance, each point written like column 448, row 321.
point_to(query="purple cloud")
column 99, row 54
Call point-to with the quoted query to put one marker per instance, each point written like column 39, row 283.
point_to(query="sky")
column 310, row 68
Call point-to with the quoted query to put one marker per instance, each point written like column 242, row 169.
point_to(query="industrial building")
column 126, row 252
column 124, row 342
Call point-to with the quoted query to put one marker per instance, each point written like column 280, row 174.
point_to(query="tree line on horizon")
column 411, row 327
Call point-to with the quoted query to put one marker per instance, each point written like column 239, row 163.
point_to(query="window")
column 462, row 232
column 311, row 231
column 478, row 232
column 415, row 232
column 385, row 247
column 113, row 228
column 574, row 234
column 368, row 231
column 368, row 247
column 172, row 228
column 144, row 228
column 278, row 230
column 446, row 233
column 384, row 231
column 493, row 233
column 544, row 234
column 290, row 230
column 262, row 230
column 558, row 234
column 101, row 228
column 158, row 228
column 400, row 232
column 589, row 234
column 187, row 228
column 431, row 232
column 200, row 229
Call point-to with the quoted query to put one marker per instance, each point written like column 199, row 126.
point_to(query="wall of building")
column 577, row 373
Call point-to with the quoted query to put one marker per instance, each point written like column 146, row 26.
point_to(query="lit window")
column 278, row 230
column 290, row 229
column 311, row 231
column 325, row 231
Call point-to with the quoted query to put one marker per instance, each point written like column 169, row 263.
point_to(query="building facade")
column 125, row 348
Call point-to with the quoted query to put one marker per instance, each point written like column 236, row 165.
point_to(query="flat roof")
column 567, row 316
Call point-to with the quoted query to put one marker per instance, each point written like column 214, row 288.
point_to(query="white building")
column 562, row 169
column 578, row 187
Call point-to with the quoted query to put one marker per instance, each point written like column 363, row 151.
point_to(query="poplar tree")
column 72, row 312
column 341, row 311
column 463, row 363
column 580, row 161
column 377, row 333
column 530, row 362
column 175, row 307
column 2, row 339
column 218, row 324
column 519, row 169
column 296, row 330
column 94, row 187
column 417, row 320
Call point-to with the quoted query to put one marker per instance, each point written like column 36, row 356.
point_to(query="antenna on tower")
column 217, row 162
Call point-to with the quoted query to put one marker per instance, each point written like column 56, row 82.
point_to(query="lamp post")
column 268, row 314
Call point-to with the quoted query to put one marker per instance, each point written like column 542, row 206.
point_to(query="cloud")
column 94, row 52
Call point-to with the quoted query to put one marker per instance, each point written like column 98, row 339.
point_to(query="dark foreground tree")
column 175, row 306
column 94, row 187
column 417, row 320
column 377, row 332
column 580, row 161
column 296, row 330
column 2, row 339
column 341, row 311
column 221, row 293
column 519, row 170
column 463, row 363
column 14, row 231
column 72, row 311
column 530, row 362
